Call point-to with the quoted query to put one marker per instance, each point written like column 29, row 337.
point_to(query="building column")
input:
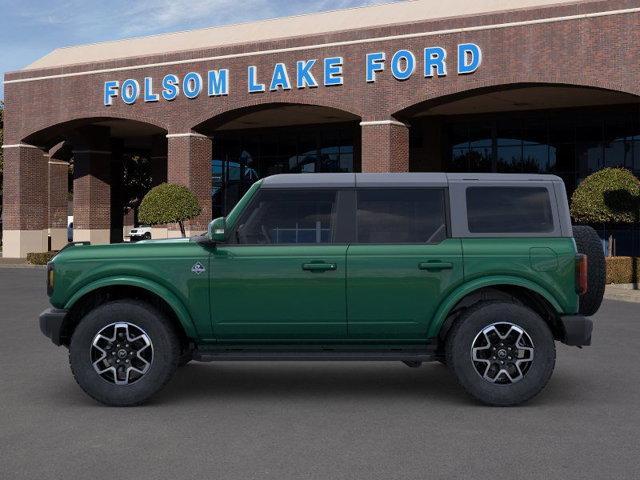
column 385, row 146
column 58, row 191
column 25, row 201
column 59, row 157
column 189, row 164
column 92, row 186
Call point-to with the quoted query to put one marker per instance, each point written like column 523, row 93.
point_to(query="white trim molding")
column 58, row 162
column 190, row 134
column 383, row 122
column 477, row 28
column 21, row 145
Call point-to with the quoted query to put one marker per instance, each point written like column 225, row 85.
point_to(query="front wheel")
column 123, row 352
column 502, row 353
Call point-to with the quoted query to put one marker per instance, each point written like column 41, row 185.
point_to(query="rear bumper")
column 577, row 330
column 51, row 321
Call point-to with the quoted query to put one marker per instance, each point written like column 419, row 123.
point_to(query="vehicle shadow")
column 309, row 380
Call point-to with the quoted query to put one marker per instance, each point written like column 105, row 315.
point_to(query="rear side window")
column 401, row 216
column 289, row 217
column 509, row 210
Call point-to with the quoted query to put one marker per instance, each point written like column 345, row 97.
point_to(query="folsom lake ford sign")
column 309, row 73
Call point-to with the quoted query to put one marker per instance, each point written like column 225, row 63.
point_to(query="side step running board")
column 422, row 355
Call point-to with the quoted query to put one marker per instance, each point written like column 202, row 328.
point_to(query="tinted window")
column 509, row 210
column 289, row 216
column 401, row 216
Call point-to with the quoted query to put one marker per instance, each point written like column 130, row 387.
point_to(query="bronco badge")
column 198, row 268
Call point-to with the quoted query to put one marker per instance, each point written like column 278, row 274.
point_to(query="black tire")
column 165, row 352
column 588, row 243
column 147, row 236
column 469, row 327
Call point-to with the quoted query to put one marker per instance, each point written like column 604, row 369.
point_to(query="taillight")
column 581, row 274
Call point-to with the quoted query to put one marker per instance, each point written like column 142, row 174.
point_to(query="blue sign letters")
column 431, row 62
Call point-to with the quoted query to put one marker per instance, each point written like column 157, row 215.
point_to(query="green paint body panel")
column 162, row 267
column 263, row 292
column 318, row 294
column 390, row 296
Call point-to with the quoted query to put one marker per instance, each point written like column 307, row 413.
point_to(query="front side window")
column 509, row 210
column 401, row 216
column 289, row 217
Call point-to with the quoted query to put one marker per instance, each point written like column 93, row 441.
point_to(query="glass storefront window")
column 571, row 143
column 241, row 157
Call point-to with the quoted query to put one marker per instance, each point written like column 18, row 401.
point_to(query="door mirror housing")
column 217, row 231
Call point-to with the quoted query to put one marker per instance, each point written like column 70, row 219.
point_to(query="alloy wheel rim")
column 121, row 353
column 502, row 353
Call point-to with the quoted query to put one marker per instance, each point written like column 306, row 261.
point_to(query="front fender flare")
column 176, row 305
column 462, row 291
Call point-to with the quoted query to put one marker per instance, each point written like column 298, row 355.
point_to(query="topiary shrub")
column 610, row 195
column 40, row 258
column 169, row 203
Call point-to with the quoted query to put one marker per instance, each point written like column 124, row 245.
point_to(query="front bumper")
column 577, row 330
column 51, row 322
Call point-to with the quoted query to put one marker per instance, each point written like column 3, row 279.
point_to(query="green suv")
column 482, row 273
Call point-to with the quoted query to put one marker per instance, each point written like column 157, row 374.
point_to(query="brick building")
column 489, row 85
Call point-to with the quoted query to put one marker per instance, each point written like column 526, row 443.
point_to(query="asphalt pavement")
column 315, row 420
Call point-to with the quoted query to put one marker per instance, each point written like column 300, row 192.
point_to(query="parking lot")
column 315, row 420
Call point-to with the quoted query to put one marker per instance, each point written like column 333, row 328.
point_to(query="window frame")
column 445, row 205
column 340, row 231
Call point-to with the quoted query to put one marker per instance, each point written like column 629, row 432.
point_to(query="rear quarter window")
column 509, row 210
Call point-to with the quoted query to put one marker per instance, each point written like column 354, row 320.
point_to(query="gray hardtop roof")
column 417, row 179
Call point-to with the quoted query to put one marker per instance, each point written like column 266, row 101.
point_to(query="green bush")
column 611, row 195
column 40, row 258
column 169, row 203
column 622, row 270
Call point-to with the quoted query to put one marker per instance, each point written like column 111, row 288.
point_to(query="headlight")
column 51, row 276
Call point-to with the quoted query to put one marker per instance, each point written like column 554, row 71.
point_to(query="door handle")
column 435, row 266
column 319, row 267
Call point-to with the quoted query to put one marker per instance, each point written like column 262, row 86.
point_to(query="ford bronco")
column 481, row 272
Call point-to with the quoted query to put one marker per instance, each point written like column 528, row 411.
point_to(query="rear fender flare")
column 462, row 291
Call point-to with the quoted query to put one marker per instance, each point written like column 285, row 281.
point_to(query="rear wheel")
column 588, row 243
column 123, row 352
column 502, row 353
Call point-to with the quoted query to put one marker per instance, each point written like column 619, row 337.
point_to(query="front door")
column 401, row 265
column 282, row 274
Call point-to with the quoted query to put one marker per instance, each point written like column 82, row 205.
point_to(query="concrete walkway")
column 628, row 292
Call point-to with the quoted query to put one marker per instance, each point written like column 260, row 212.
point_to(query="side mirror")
column 217, row 230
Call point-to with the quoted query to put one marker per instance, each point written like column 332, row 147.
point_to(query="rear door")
column 402, row 263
